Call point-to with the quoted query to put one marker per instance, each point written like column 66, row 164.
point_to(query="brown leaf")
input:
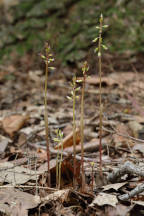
column 3, row 143
column 58, row 195
column 13, row 123
column 115, row 186
column 15, row 202
column 16, row 174
column 121, row 141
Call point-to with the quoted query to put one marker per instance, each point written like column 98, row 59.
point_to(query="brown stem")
column 82, row 132
column 100, row 92
column 74, row 132
column 46, row 115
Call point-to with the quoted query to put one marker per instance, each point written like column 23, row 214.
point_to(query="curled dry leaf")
column 13, row 123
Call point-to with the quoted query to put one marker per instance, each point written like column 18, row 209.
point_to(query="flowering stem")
column 100, row 92
column 74, row 130
column 46, row 113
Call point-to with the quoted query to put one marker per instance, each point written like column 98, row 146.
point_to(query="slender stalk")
column 100, row 91
column 92, row 186
column 84, row 69
column 60, row 164
column 74, row 130
column 57, row 170
column 58, row 139
column 46, row 113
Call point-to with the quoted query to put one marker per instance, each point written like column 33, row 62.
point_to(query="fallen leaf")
column 104, row 199
column 13, row 123
column 139, row 202
column 119, row 210
column 135, row 128
column 15, row 202
column 16, row 175
column 114, row 186
column 3, row 143
column 139, row 147
column 121, row 141
column 60, row 194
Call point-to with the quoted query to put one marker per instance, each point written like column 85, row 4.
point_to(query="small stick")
column 92, row 165
column 134, row 192
column 127, row 168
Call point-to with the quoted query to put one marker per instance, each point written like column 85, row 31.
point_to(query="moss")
column 70, row 26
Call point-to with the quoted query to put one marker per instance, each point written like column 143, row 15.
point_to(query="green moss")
column 69, row 25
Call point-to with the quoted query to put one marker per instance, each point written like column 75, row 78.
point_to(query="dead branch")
column 127, row 168
column 123, row 135
column 134, row 192
column 55, row 152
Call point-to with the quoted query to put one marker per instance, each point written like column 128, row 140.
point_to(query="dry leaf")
column 114, row 186
column 60, row 194
column 16, row 175
column 121, row 141
column 15, row 202
column 3, row 143
column 119, row 210
column 139, row 147
column 139, row 202
column 13, row 123
column 104, row 199
column 135, row 128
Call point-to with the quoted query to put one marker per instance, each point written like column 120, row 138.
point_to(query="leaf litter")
column 23, row 187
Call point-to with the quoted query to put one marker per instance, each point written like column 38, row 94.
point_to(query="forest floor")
column 23, row 157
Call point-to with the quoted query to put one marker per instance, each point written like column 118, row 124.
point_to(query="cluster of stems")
column 48, row 59
column 59, row 139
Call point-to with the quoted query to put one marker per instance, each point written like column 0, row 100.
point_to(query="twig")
column 53, row 151
column 28, row 186
column 127, row 168
column 123, row 135
column 134, row 192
